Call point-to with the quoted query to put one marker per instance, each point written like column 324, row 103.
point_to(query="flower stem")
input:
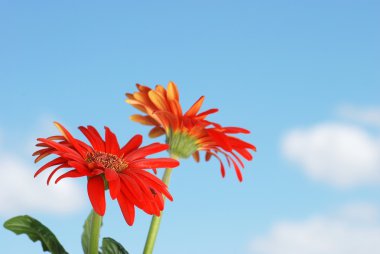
column 96, row 222
column 155, row 223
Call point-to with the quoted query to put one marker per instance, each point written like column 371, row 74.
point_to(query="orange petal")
column 196, row 107
column 142, row 88
column 161, row 90
column 196, row 156
column 156, row 132
column 208, row 156
column 145, row 120
column 172, row 92
column 158, row 100
column 175, row 107
column 142, row 98
column 138, row 106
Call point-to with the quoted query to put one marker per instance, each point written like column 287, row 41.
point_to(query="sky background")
column 303, row 76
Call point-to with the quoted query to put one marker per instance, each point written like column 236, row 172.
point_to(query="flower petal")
column 236, row 130
column 127, row 209
column 156, row 132
column 54, row 162
column 144, row 120
column 110, row 174
column 158, row 100
column 145, row 151
column 70, row 138
column 72, row 174
column 132, row 145
column 172, row 91
column 111, row 143
column 153, row 163
column 114, row 187
column 196, row 156
column 196, row 107
column 95, row 189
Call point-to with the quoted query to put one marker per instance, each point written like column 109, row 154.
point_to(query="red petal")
column 114, row 187
column 238, row 159
column 99, row 140
column 156, row 183
column 221, row 139
column 58, row 146
column 238, row 143
column 110, row 174
column 80, row 168
column 145, row 151
column 132, row 145
column 204, row 114
column 54, row 162
column 54, row 171
column 243, row 152
column 149, row 206
column 193, row 110
column 237, row 170
column 112, row 146
column 159, row 200
column 127, row 209
column 236, row 130
column 153, row 163
column 72, row 174
column 131, row 188
column 95, row 189
column 95, row 139
column 70, row 138
column 222, row 169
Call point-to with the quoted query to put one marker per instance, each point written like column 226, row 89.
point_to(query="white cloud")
column 21, row 193
column 338, row 154
column 352, row 230
column 364, row 115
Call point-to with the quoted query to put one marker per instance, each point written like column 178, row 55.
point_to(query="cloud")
column 352, row 230
column 21, row 193
column 338, row 154
column 364, row 115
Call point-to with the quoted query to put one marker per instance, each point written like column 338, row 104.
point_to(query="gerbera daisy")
column 106, row 165
column 188, row 133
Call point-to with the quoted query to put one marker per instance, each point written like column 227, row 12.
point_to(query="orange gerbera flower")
column 190, row 132
column 122, row 170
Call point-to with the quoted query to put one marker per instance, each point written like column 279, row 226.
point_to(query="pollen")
column 107, row 160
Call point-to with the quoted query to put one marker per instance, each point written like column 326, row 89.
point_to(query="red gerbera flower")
column 122, row 170
column 188, row 133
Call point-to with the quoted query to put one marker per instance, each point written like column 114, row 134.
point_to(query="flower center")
column 107, row 160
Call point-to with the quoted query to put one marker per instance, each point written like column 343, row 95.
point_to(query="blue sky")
column 303, row 76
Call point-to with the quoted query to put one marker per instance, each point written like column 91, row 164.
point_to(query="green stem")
column 96, row 222
column 155, row 223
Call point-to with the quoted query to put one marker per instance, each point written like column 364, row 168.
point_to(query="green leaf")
column 36, row 231
column 110, row 246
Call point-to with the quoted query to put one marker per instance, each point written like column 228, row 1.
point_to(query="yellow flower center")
column 107, row 160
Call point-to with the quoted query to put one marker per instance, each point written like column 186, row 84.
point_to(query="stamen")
column 107, row 160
